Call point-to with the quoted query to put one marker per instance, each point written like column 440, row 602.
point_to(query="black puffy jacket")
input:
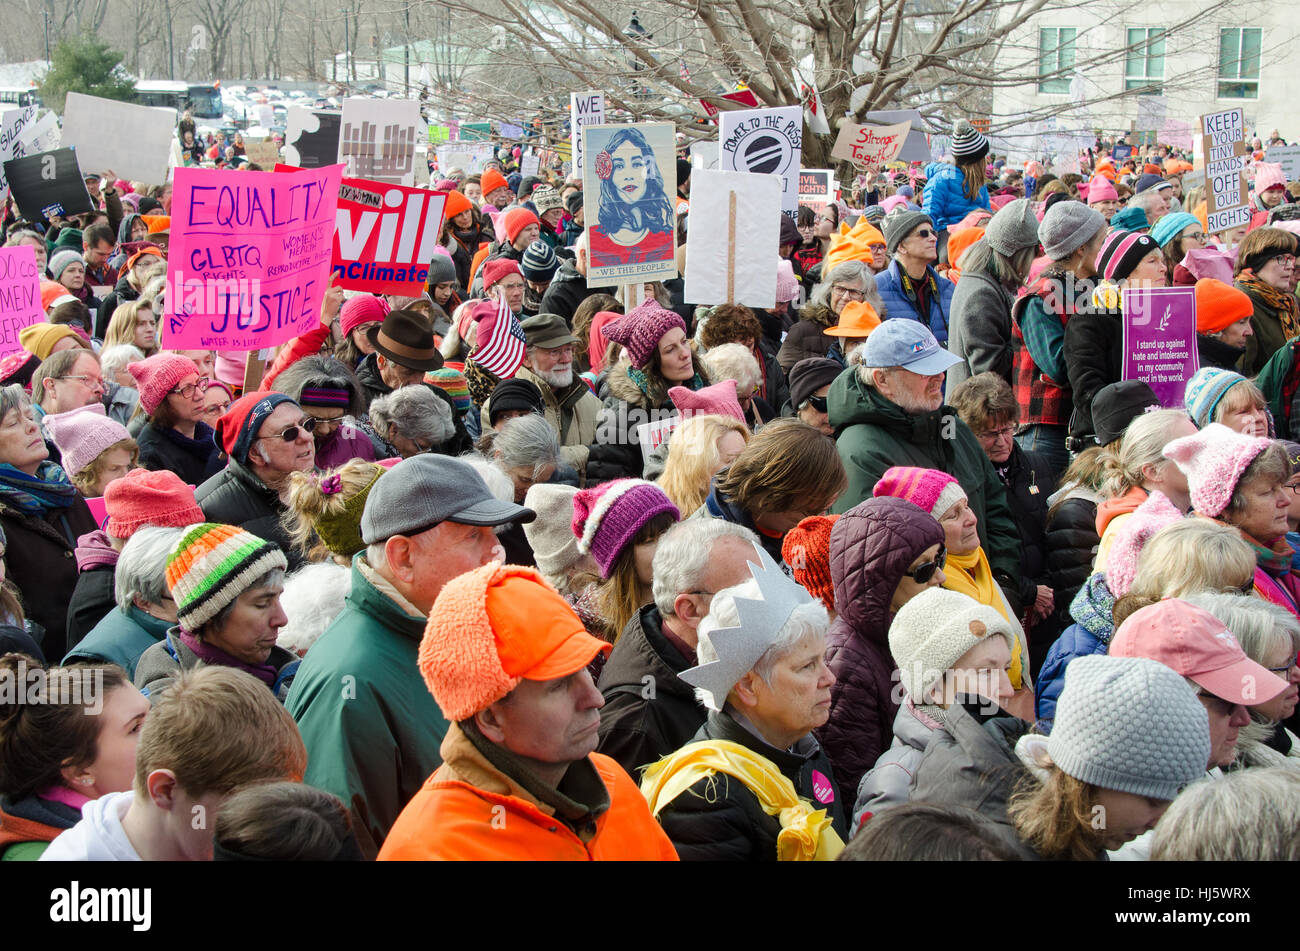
column 720, row 819
column 1072, row 542
column 1029, row 479
column 235, row 496
column 194, row 460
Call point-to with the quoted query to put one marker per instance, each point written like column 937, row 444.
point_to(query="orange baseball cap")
column 143, row 252
column 857, row 319
column 493, row 627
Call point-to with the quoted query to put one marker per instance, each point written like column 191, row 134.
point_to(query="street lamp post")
column 347, row 46
column 46, row 16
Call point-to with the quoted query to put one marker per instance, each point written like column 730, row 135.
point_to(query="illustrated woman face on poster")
column 633, row 203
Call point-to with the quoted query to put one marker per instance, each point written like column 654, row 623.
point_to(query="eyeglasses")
column 512, row 286
column 923, row 233
column 850, row 292
column 922, row 574
column 91, row 382
column 218, row 409
column 1195, row 236
column 818, row 403
column 187, row 391
column 308, row 426
column 993, row 435
column 1285, row 668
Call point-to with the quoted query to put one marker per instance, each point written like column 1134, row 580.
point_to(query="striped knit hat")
column 453, row 383
column 214, row 564
column 1121, row 252
column 929, row 489
column 606, row 518
column 967, row 142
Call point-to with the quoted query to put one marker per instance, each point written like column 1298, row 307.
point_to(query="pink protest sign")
column 1160, row 339
column 250, row 256
column 20, row 295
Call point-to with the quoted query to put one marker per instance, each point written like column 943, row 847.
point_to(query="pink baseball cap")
column 1197, row 645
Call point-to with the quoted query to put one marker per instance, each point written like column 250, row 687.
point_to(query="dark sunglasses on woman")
column 922, row 574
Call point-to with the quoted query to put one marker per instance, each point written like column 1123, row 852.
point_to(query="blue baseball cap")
column 907, row 343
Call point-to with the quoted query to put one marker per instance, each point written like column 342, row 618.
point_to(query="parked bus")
column 20, row 96
column 202, row 99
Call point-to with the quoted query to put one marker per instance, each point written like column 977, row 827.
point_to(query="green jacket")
column 1277, row 381
column 371, row 727
column 119, row 639
column 873, row 434
column 1267, row 338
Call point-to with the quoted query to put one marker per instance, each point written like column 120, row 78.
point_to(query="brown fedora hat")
column 406, row 338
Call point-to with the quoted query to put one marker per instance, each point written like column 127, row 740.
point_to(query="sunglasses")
column 308, row 426
column 818, row 403
column 922, row 574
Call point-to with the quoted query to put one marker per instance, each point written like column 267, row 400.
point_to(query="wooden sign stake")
column 254, row 367
column 731, row 247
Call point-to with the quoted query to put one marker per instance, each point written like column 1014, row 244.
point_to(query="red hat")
column 147, row 251
column 1219, row 306
column 491, row 181
column 148, row 497
column 516, row 220
column 498, row 268
column 807, row 550
column 156, row 376
column 455, row 205
column 362, row 309
column 237, row 429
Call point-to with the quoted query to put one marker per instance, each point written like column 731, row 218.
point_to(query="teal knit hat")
column 1170, row 226
column 212, row 565
column 1130, row 219
column 1205, row 390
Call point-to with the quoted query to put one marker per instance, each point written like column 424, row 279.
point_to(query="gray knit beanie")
column 1131, row 725
column 441, row 269
column 59, row 262
column 902, row 223
column 932, row 631
column 1013, row 228
column 1068, row 226
column 550, row 535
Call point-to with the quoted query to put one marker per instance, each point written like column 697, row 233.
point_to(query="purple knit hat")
column 929, row 489
column 82, row 434
column 719, row 399
column 1213, row 461
column 1155, row 512
column 642, row 329
column 156, row 376
column 362, row 309
column 606, row 518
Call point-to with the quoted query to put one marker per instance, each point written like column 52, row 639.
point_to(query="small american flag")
column 503, row 353
column 684, row 72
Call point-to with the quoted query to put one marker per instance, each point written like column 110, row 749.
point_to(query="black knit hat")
column 968, row 144
column 514, row 395
column 1118, row 404
column 573, row 203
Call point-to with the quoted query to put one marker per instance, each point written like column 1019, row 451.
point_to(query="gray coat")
column 974, row 764
column 979, row 330
column 888, row 782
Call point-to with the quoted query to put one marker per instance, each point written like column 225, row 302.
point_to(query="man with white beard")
column 570, row 406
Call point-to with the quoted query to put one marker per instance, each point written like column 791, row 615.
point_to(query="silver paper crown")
column 739, row 648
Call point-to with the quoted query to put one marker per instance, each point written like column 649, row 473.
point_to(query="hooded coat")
column 871, row 547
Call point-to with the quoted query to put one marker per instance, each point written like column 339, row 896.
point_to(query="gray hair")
column 850, row 271
column 523, row 441
column 142, row 566
column 1260, row 626
column 324, row 373
column 13, row 397
column 683, row 554
column 272, row 579
column 416, row 412
column 733, row 361
column 155, row 290
column 24, row 236
column 808, row 618
column 498, row 483
column 1252, row 815
column 118, row 357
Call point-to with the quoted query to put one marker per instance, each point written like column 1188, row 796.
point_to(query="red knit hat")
column 456, row 204
column 147, row 497
column 807, row 550
column 516, row 220
column 1219, row 306
column 362, row 309
column 491, row 181
column 498, row 268
column 156, row 376
column 238, row 427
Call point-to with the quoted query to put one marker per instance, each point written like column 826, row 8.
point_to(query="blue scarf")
column 36, row 494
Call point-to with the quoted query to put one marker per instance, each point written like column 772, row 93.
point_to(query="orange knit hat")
column 1219, row 305
column 491, row 628
column 807, row 550
column 455, row 205
column 857, row 319
column 959, row 241
column 158, row 223
column 491, row 181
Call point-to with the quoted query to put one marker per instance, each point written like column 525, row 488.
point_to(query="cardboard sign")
column 508, row 131
column 735, row 228
column 868, row 146
column 915, row 147
column 1288, row 156
column 1160, row 339
column 264, row 153
column 705, row 155
column 530, row 165
column 13, row 124
column 469, row 157
column 629, row 180
column 249, row 258
column 767, row 142
column 653, row 435
column 43, row 136
column 585, row 108
column 134, row 141
column 816, row 188
column 20, row 295
column 1121, row 153
column 384, row 236
column 311, row 137
column 48, row 184
column 377, row 139
column 1223, row 143
column 439, row 134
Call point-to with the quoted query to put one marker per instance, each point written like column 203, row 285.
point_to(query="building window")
column 1144, row 65
column 1239, row 63
column 1055, row 58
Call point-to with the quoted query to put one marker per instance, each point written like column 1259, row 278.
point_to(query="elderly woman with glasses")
column 42, row 516
column 846, row 282
column 175, row 435
column 1264, row 270
column 330, row 393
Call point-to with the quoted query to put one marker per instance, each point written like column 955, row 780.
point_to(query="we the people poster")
column 629, row 178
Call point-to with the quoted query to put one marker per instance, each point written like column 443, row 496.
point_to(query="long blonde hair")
column 1054, row 816
column 620, row 596
column 121, row 326
column 694, row 458
column 973, row 178
column 1141, row 445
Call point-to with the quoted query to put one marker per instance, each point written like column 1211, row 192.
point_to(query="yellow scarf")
column 972, row 575
column 806, row 834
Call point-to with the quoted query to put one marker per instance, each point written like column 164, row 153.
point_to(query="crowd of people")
column 912, row 572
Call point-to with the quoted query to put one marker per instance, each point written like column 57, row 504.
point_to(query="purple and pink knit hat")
column 1213, row 461
column 641, row 330
column 607, row 517
column 929, row 489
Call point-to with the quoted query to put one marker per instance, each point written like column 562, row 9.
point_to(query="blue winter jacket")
column 890, row 285
column 1092, row 610
column 945, row 198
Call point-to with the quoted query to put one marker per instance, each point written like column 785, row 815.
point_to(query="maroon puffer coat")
column 872, row 546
